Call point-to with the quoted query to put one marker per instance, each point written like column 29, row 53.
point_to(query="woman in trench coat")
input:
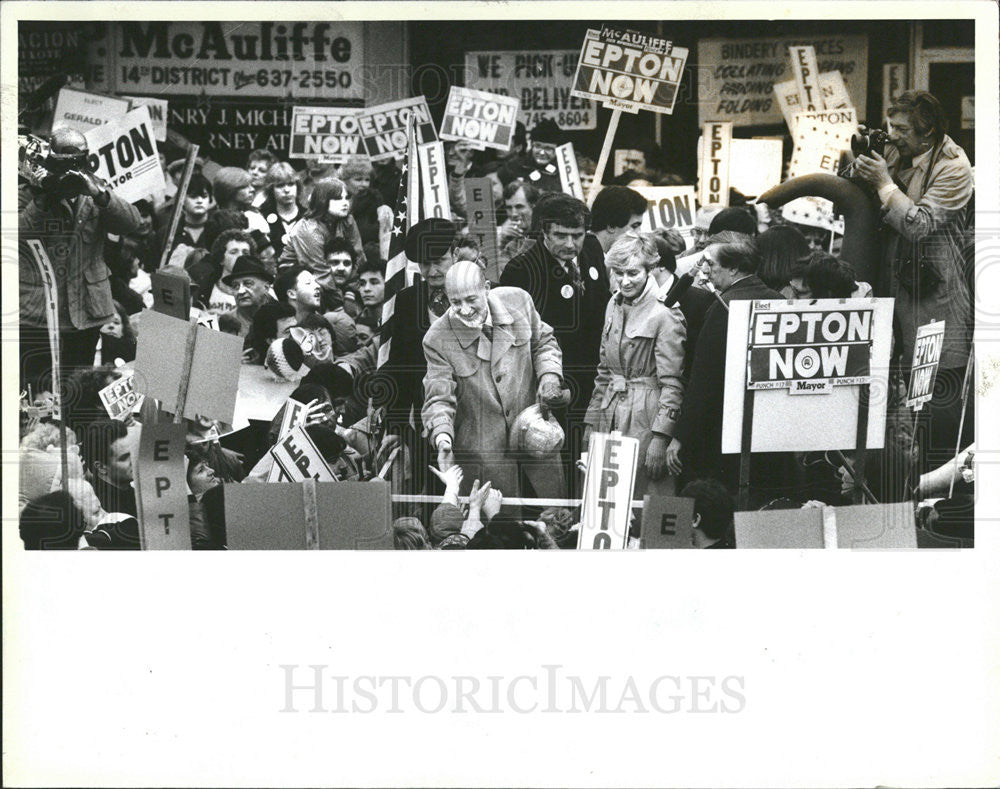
column 638, row 390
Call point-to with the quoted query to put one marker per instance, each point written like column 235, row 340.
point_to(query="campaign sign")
column 483, row 119
column 483, row 221
column 383, row 128
column 806, row 71
column 780, row 351
column 569, row 171
column 330, row 133
column 82, row 111
column 670, row 208
column 667, row 522
column 629, row 71
column 832, row 88
column 162, row 482
column 434, row 180
column 607, row 491
column 120, row 397
column 713, row 167
column 808, row 351
column 171, row 294
column 293, row 414
column 157, row 113
column 299, row 459
column 123, row 153
column 926, row 356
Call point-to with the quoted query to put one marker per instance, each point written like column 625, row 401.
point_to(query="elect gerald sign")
column 629, row 71
column 808, row 351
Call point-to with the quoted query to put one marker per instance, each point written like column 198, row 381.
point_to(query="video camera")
column 869, row 140
column 60, row 174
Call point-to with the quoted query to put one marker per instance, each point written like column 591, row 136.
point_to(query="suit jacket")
column 474, row 389
column 576, row 321
column 694, row 304
column 700, row 426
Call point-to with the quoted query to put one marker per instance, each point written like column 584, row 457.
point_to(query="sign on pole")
column 806, row 71
column 569, row 171
column 483, row 222
column 157, row 113
column 164, row 520
column 804, row 362
column 713, row 170
column 629, row 71
column 667, row 522
column 76, row 109
column 606, row 511
column 833, row 91
column 329, row 133
column 434, row 180
column 923, row 369
column 486, row 120
column 670, row 208
column 123, row 153
column 383, row 128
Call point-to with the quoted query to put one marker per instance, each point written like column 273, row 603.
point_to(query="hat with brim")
column 247, row 266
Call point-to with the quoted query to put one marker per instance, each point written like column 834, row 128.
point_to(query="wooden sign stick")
column 602, row 162
column 182, row 389
column 175, row 216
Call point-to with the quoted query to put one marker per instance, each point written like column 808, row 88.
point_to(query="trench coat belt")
column 619, row 384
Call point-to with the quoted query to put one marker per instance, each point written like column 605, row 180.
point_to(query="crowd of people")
column 490, row 389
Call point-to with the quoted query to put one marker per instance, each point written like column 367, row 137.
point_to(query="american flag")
column 406, row 215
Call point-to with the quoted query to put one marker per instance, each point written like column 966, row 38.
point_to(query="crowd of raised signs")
column 291, row 258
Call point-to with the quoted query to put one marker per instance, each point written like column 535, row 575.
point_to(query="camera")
column 56, row 173
column 868, row 141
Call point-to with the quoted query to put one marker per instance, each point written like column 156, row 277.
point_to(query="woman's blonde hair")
column 633, row 245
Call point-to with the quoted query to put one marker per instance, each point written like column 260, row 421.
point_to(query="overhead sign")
column 162, row 482
column 383, row 128
column 736, row 76
column 713, row 168
column 161, row 358
column 540, row 78
column 483, row 119
column 123, row 152
column 309, row 60
column 667, row 522
column 569, row 170
column 330, row 133
column 337, row 516
column 629, row 71
column 792, row 349
column 76, row 109
column 157, row 113
column 808, row 350
column 299, row 459
column 483, row 222
column 607, row 491
column 670, row 208
column 926, row 357
column 434, row 180
column 120, row 397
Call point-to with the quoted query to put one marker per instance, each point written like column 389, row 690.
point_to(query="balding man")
column 489, row 357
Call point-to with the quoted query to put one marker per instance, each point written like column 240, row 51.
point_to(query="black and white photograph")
column 301, row 284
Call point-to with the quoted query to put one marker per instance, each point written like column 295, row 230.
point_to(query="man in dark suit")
column 693, row 301
column 730, row 261
column 565, row 275
column 399, row 383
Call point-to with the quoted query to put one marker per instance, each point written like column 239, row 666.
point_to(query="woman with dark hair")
column 117, row 338
column 281, row 208
column 780, row 248
column 328, row 216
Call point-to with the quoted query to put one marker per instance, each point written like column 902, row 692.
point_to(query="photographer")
column 923, row 183
column 70, row 211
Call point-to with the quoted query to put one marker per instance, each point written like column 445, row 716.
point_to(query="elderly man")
column 250, row 282
column 924, row 187
column 488, row 359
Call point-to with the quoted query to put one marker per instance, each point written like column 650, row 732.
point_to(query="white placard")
column 606, row 512
column 83, row 111
column 123, row 153
column 434, row 180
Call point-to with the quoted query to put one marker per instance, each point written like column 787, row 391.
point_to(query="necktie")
column 488, row 332
column 574, row 273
